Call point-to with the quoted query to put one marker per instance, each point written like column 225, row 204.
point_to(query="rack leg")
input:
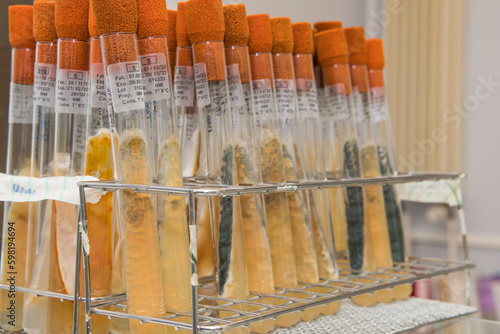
column 83, row 230
column 77, row 275
column 194, row 264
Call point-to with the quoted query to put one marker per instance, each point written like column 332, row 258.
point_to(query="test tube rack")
column 206, row 308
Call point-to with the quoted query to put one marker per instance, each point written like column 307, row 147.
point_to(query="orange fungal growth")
column 327, row 25
column 115, row 16
column 281, row 28
column 21, row 26
column 92, row 27
column 180, row 26
column 375, row 52
column 235, row 19
column 44, row 29
column 303, row 41
column 205, row 20
column 357, row 45
column 152, row 18
column 260, row 33
column 72, row 19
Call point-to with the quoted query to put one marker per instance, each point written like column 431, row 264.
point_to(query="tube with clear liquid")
column 15, row 218
column 133, row 164
column 42, row 156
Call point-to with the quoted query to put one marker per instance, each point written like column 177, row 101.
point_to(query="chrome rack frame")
column 204, row 307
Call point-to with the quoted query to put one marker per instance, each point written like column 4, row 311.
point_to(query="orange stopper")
column 205, row 20
column 327, row 25
column 332, row 47
column 44, row 29
column 115, row 16
column 180, row 26
column 21, row 26
column 303, row 41
column 375, row 52
column 72, row 19
column 281, row 28
column 260, row 34
column 171, row 35
column 357, row 45
column 235, row 19
column 92, row 27
column 152, row 18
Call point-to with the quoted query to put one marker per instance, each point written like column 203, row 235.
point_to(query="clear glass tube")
column 15, row 219
column 69, row 160
column 172, row 219
column 247, row 161
column 42, row 156
column 310, row 140
column 133, row 163
column 279, row 226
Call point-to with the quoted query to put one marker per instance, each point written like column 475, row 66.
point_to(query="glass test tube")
column 42, row 156
column 133, row 163
column 15, row 218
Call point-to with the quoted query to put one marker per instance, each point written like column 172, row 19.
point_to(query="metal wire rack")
column 213, row 314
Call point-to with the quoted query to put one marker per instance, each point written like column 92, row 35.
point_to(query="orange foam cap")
column 44, row 29
column 152, row 18
column 171, row 35
column 327, row 25
column 357, row 45
column 303, row 41
column 92, row 27
column 21, row 26
column 331, row 47
column 375, row 52
column 235, row 19
column 115, row 16
column 180, row 26
column 205, row 20
column 72, row 19
column 281, row 28
column 260, row 35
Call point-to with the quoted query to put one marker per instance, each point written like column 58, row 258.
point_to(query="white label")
column 307, row 98
column 72, row 91
column 379, row 105
column 184, row 86
column 44, row 88
column 263, row 99
column 97, row 86
column 59, row 188
column 285, row 96
column 361, row 106
column 236, row 96
column 125, row 82
column 202, row 91
column 21, row 104
column 155, row 77
column 337, row 101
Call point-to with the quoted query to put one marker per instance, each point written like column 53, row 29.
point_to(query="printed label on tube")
column 184, row 86
column 72, row 91
column 202, row 91
column 379, row 106
column 125, row 81
column 361, row 105
column 236, row 96
column 44, row 88
column 285, row 96
column 307, row 98
column 155, row 77
column 263, row 99
column 337, row 101
column 21, row 104
column 97, row 86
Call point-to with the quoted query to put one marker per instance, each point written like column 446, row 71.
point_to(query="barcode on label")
column 72, row 91
column 44, row 87
column 184, row 86
column 155, row 77
column 125, row 82
column 201, row 81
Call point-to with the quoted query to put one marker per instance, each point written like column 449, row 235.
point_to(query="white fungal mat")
column 395, row 317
